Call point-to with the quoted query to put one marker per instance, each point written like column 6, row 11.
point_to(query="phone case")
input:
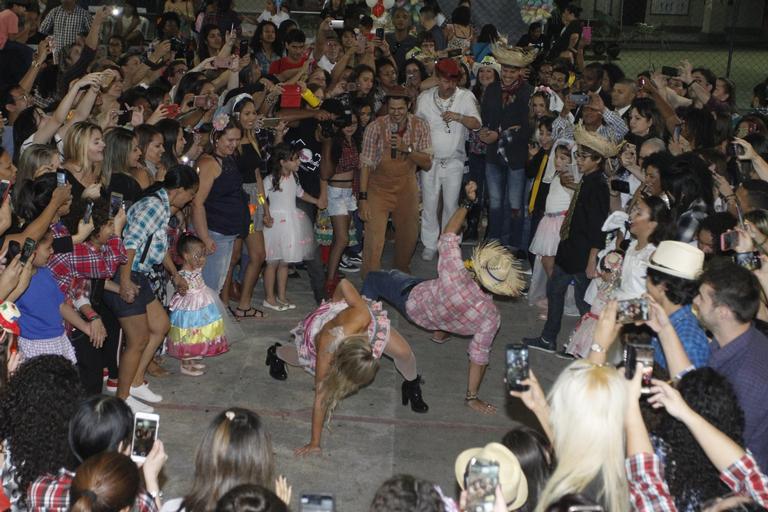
column 291, row 97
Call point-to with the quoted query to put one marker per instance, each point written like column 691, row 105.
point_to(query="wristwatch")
column 596, row 348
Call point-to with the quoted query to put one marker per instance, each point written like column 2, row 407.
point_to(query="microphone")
column 393, row 140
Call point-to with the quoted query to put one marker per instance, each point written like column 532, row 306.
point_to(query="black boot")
column 412, row 393
column 276, row 365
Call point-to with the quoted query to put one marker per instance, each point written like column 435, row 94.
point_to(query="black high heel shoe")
column 412, row 393
column 276, row 365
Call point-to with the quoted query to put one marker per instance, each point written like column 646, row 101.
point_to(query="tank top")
column 249, row 162
column 226, row 207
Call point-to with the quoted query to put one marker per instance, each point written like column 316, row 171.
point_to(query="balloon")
column 378, row 10
column 371, row 3
column 388, row 4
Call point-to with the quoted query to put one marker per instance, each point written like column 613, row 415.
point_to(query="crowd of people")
column 149, row 177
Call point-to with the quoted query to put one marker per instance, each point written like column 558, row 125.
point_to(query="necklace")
column 444, row 106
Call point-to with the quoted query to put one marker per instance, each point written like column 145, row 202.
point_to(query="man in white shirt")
column 450, row 113
column 331, row 51
column 622, row 95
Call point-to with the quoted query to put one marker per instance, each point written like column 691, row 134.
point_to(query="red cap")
column 447, row 68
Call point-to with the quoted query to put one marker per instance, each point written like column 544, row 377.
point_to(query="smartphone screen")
column 244, row 50
column 620, row 186
column 270, row 122
column 579, row 99
column 317, row 503
column 115, row 203
column 632, row 310
column 221, row 62
column 27, row 250
column 669, row 71
column 728, row 240
column 5, row 186
column 517, row 366
column 480, row 483
column 380, row 33
column 145, row 427
column 61, row 179
column 88, row 213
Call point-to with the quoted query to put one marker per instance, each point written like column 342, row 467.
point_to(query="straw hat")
column 488, row 61
column 496, row 269
column 677, row 259
column 513, row 483
column 515, row 56
column 595, row 142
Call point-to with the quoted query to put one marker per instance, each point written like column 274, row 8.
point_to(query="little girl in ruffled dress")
column 199, row 323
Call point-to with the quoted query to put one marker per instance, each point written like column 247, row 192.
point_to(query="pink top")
column 9, row 25
column 455, row 303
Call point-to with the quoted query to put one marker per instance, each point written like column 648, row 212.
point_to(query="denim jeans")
column 506, row 188
column 217, row 264
column 557, row 286
column 392, row 286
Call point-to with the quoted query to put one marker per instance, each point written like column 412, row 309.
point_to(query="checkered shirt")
column 647, row 489
column 74, row 270
column 455, row 303
column 66, row 25
column 50, row 493
column 745, row 477
column 692, row 336
column 148, row 217
column 377, row 139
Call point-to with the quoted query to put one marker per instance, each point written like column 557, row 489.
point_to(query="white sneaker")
column 428, row 254
column 144, row 393
column 137, row 406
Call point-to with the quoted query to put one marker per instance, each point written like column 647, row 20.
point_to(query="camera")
column 178, row 46
column 343, row 113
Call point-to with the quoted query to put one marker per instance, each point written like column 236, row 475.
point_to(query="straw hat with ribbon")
column 496, row 269
column 516, row 57
column 595, row 142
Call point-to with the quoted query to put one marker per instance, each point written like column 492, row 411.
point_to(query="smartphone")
column 670, row 71
column 115, row 203
column 620, row 186
column 586, row 34
column 27, row 250
column 641, row 81
column 5, row 187
column 172, row 110
column 748, row 260
column 735, row 149
column 221, row 62
column 638, row 353
column 455, row 52
column 632, row 310
column 116, row 11
column 270, row 122
column 127, row 205
column 351, row 86
column 380, row 34
column 337, row 24
column 517, row 366
column 88, row 213
column 291, row 97
column 107, row 79
column 728, row 240
column 480, row 482
column 61, row 179
column 14, row 248
column 322, row 502
column 677, row 132
column 579, row 99
column 205, row 102
column 244, row 48
column 145, row 426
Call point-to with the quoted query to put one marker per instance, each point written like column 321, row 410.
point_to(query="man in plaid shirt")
column 66, row 22
column 454, row 302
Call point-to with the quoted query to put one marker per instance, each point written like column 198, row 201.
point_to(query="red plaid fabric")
column 73, row 270
column 744, row 477
column 647, row 488
column 377, row 138
column 50, row 493
column 455, row 303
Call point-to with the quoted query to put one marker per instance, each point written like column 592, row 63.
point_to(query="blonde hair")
column 353, row 367
column 587, row 417
column 34, row 157
column 76, row 143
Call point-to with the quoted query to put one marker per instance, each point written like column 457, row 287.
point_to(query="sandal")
column 191, row 370
column 288, row 305
column 240, row 313
column 155, row 370
column 278, row 307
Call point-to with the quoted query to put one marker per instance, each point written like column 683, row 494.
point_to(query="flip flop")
column 191, row 371
column 279, row 307
column 439, row 341
column 240, row 313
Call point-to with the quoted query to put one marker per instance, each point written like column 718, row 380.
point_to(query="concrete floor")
column 372, row 435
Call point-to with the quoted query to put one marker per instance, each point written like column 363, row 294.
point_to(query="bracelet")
column 261, row 199
column 362, row 196
column 466, row 203
column 470, row 396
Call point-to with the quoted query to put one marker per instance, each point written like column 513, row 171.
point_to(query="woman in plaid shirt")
column 142, row 317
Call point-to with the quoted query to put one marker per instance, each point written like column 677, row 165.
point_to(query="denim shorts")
column 122, row 309
column 341, row 201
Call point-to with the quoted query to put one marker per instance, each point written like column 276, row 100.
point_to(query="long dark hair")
column 691, row 476
column 169, row 129
column 340, row 140
column 33, row 196
column 256, row 39
column 661, row 214
column 177, row 177
column 280, row 152
column 202, row 47
column 534, row 453
column 100, row 424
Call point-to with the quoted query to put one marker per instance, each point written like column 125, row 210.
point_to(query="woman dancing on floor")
column 340, row 343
